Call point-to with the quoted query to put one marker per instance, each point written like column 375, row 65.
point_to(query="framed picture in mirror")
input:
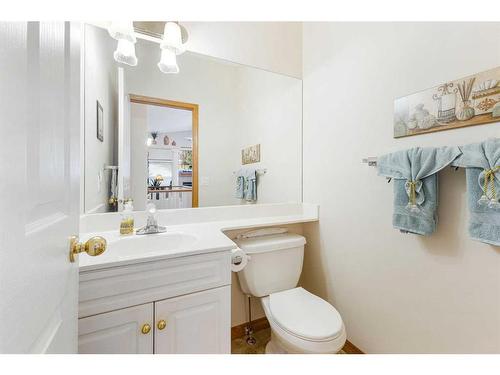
column 250, row 154
column 100, row 122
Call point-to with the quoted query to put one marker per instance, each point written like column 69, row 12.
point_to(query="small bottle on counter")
column 127, row 223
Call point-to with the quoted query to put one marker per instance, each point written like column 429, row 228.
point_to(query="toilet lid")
column 305, row 315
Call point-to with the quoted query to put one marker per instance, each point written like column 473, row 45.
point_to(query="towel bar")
column 259, row 171
column 371, row 161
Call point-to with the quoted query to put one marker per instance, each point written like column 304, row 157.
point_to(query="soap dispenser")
column 127, row 223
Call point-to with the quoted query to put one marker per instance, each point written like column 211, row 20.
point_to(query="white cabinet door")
column 39, row 190
column 197, row 323
column 117, row 332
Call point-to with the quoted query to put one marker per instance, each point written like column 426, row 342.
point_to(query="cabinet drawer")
column 119, row 287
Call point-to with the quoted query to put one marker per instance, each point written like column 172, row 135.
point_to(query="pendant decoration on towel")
column 489, row 196
column 413, row 188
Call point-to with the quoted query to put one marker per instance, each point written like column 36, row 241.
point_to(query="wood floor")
column 239, row 345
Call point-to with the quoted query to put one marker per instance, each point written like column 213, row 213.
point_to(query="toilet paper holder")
column 239, row 259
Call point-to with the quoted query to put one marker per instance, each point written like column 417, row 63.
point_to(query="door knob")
column 161, row 324
column 94, row 246
column 145, row 329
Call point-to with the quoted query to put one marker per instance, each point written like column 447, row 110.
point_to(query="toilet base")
column 274, row 347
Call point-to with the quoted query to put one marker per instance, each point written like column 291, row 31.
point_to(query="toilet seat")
column 303, row 322
column 305, row 315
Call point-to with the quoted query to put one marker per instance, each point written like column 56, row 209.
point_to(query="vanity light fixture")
column 172, row 44
column 172, row 38
column 168, row 62
column 123, row 32
column 125, row 53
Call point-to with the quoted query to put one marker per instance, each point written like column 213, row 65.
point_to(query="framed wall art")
column 473, row 100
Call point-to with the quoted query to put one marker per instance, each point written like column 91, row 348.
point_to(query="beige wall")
column 396, row 293
column 273, row 46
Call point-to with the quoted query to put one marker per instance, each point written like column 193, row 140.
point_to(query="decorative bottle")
column 127, row 223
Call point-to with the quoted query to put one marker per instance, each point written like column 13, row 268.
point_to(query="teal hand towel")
column 416, row 185
column 482, row 163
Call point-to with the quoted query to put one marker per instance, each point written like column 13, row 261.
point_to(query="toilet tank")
column 275, row 262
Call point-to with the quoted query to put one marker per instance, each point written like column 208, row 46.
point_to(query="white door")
column 197, row 323
column 123, row 140
column 39, row 186
column 125, row 331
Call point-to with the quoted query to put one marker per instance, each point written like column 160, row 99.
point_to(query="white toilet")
column 300, row 321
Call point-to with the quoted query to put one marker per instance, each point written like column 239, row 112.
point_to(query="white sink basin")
column 149, row 244
column 120, row 248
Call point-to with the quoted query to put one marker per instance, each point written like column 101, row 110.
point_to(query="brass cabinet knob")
column 94, row 246
column 161, row 324
column 146, row 328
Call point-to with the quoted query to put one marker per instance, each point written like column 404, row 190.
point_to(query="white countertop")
column 204, row 237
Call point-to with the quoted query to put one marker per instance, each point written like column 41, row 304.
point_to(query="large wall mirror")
column 216, row 133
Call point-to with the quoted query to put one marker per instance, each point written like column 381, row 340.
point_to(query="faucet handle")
column 151, row 222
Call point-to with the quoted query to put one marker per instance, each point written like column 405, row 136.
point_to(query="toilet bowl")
column 300, row 321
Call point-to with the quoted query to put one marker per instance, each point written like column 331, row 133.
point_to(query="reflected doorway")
column 164, row 152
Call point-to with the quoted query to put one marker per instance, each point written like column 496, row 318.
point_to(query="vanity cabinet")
column 192, row 324
column 173, row 306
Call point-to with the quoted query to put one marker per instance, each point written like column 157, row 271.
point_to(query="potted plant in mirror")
column 155, row 183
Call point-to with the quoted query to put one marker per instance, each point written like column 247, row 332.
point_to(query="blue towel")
column 240, row 186
column 251, row 186
column 416, row 185
column 482, row 163
column 246, row 184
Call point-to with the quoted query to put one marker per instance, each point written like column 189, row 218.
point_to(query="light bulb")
column 122, row 30
column 125, row 53
column 168, row 62
column 172, row 38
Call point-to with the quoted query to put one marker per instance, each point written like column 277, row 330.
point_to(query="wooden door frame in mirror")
column 179, row 105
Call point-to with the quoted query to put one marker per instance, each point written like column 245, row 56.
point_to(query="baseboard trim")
column 262, row 323
column 350, row 348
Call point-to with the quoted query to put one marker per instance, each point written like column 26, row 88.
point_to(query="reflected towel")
column 240, row 186
column 246, row 184
column 251, row 185
column 482, row 163
column 114, row 183
column 416, row 185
